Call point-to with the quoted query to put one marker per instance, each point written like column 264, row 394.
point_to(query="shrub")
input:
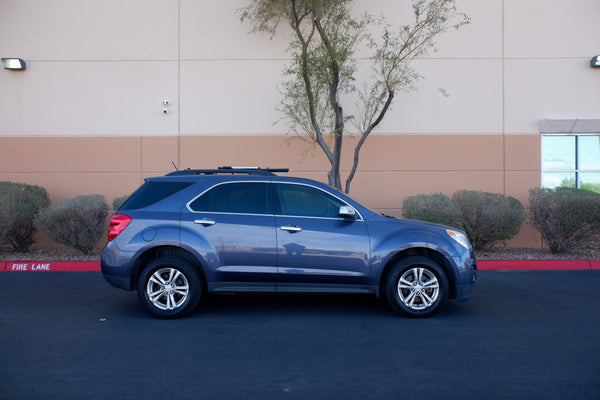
column 437, row 208
column 117, row 201
column 568, row 218
column 19, row 204
column 77, row 222
column 489, row 217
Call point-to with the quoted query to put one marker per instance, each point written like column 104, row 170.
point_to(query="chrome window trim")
column 189, row 208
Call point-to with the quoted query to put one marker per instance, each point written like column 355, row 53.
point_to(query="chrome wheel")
column 418, row 288
column 167, row 288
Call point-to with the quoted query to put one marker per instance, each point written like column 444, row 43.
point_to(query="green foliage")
column 568, row 218
column 117, row 201
column 322, row 73
column 19, row 204
column 77, row 222
column 436, row 208
column 489, row 217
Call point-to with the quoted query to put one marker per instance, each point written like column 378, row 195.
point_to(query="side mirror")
column 347, row 212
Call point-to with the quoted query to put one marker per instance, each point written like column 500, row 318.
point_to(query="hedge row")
column 568, row 219
column 79, row 222
column 485, row 217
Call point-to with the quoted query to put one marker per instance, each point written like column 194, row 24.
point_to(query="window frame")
column 577, row 170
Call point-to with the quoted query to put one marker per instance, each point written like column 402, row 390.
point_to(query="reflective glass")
column 238, row 198
column 305, row 201
column 589, row 152
column 590, row 181
column 558, row 152
column 558, row 179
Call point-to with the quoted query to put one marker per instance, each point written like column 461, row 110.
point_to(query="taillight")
column 118, row 222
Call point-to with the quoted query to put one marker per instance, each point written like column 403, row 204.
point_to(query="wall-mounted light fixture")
column 596, row 62
column 13, row 63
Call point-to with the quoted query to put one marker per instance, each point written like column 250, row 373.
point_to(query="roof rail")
column 230, row 170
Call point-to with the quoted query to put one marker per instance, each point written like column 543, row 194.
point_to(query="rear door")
column 234, row 225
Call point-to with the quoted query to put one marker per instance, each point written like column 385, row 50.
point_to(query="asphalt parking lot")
column 522, row 335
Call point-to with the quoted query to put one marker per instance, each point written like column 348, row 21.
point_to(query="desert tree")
column 322, row 75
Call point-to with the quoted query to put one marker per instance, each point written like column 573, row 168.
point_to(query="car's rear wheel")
column 416, row 286
column 169, row 287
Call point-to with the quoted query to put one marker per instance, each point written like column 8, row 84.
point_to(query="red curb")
column 535, row 264
column 482, row 265
column 51, row 266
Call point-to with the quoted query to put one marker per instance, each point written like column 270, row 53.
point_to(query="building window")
column 571, row 161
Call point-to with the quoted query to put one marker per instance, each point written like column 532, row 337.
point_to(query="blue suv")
column 193, row 232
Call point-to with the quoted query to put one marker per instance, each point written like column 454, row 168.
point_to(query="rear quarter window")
column 152, row 192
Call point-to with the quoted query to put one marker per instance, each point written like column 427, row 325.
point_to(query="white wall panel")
column 213, row 30
column 455, row 97
column 552, row 88
column 482, row 38
column 551, row 28
column 89, row 29
column 230, row 97
column 89, row 98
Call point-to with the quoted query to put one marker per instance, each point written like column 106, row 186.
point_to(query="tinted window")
column 306, row 201
column 152, row 192
column 240, row 198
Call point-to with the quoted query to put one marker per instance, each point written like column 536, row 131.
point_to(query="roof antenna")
column 175, row 166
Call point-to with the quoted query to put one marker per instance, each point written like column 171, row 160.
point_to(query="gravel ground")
column 516, row 253
column 48, row 253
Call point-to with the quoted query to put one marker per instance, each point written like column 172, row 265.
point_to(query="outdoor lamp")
column 596, row 62
column 13, row 63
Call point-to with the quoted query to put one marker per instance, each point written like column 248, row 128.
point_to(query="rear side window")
column 238, row 198
column 152, row 192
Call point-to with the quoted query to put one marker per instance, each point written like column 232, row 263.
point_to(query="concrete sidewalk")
column 482, row 265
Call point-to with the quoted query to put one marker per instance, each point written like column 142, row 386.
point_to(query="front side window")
column 307, row 201
column 238, row 198
column 571, row 161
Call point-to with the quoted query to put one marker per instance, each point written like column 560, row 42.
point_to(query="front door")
column 316, row 248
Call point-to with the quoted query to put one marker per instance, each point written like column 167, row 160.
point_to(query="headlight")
column 460, row 238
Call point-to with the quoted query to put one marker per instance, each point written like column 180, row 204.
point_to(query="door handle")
column 204, row 221
column 290, row 228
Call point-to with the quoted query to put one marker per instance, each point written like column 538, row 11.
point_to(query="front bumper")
column 466, row 275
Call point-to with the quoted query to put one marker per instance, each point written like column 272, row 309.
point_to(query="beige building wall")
column 87, row 114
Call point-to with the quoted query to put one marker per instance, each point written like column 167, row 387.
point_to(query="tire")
column 169, row 287
column 416, row 286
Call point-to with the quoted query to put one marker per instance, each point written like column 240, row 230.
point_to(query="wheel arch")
column 155, row 253
column 434, row 255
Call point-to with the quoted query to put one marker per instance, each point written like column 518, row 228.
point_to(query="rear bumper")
column 116, row 266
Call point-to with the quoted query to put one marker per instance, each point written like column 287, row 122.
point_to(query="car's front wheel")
column 416, row 286
column 169, row 287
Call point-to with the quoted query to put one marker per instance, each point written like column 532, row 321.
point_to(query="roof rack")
column 230, row 170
